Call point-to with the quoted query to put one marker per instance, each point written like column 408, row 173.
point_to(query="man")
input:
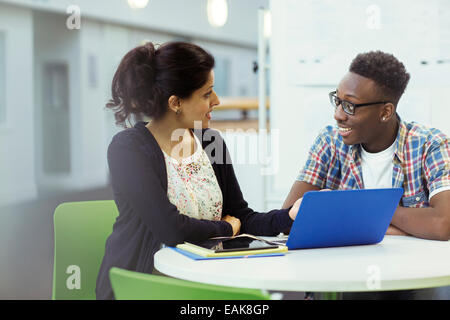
column 373, row 148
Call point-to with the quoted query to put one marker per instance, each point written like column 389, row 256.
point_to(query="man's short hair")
column 385, row 70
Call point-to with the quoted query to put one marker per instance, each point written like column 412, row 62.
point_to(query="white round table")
column 397, row 263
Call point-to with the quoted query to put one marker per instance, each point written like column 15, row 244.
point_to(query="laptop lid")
column 343, row 217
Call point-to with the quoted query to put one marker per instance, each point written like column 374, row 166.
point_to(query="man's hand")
column 235, row 223
column 294, row 210
column 297, row 191
column 394, row 231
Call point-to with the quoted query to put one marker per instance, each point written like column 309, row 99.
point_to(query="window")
column 2, row 78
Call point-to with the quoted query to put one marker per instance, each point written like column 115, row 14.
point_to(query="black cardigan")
column 148, row 219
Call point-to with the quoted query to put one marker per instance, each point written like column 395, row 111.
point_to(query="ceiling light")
column 217, row 11
column 137, row 4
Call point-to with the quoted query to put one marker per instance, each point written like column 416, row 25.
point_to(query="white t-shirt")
column 377, row 169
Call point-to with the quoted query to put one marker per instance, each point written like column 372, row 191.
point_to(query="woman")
column 171, row 184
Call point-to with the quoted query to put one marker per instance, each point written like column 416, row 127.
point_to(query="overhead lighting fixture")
column 137, row 4
column 217, row 11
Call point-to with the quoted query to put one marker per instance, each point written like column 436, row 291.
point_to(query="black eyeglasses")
column 347, row 106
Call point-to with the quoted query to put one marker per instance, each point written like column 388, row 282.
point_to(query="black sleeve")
column 264, row 224
column 136, row 179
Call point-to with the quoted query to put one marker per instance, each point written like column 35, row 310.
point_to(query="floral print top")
column 192, row 185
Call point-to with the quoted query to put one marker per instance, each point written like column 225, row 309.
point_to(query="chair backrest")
column 130, row 285
column 81, row 230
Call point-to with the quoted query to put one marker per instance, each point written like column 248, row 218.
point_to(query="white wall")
column 312, row 45
column 175, row 16
column 243, row 81
column 243, row 148
column 62, row 46
column 92, row 130
column 16, row 134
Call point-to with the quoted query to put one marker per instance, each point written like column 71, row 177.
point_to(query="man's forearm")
column 299, row 188
column 394, row 231
column 426, row 223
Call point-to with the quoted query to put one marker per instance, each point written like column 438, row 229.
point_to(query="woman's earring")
column 178, row 112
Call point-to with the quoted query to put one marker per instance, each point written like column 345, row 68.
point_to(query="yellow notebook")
column 241, row 245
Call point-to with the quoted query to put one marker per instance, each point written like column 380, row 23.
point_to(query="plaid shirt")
column 421, row 163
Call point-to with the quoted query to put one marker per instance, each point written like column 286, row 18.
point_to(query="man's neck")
column 386, row 138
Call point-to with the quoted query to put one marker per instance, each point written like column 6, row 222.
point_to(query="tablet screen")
column 235, row 244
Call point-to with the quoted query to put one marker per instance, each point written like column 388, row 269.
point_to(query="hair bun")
column 145, row 62
column 150, row 47
column 147, row 54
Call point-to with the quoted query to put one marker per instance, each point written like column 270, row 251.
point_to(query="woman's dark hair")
column 147, row 77
column 385, row 70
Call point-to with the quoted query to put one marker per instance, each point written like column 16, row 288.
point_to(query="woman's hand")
column 235, row 223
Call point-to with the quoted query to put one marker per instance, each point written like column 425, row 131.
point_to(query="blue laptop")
column 343, row 218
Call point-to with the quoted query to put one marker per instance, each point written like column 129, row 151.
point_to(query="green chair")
column 81, row 230
column 130, row 285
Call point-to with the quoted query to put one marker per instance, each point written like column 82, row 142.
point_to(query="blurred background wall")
column 312, row 45
column 59, row 76
column 57, row 60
